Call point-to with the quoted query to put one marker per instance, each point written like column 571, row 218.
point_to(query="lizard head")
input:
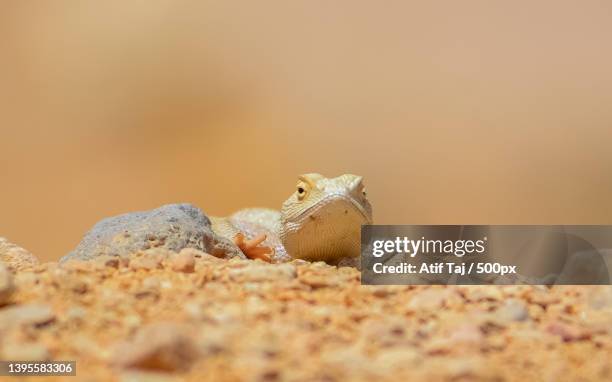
column 322, row 220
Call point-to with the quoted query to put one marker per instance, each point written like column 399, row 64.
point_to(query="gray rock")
column 172, row 227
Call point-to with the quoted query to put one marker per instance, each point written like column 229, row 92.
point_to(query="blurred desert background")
column 454, row 112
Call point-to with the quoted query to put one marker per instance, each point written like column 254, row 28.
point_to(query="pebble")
column 193, row 310
column 145, row 263
column 29, row 314
column 132, row 321
column 151, row 282
column 465, row 369
column 15, row 257
column 77, row 314
column 466, row 333
column 196, row 253
column 7, row 285
column 393, row 359
column 184, row 262
column 78, row 285
column 263, row 272
column 146, row 377
column 543, row 298
column 385, row 333
column 109, row 261
column 567, row 332
column 159, row 253
column 461, row 337
column 430, row 299
column 318, row 281
column 483, row 292
column 77, row 265
column 160, row 346
column 601, row 297
column 25, row 352
column 512, row 310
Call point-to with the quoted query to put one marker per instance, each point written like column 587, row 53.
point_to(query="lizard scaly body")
column 321, row 221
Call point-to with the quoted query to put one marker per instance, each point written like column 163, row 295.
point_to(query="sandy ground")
column 195, row 317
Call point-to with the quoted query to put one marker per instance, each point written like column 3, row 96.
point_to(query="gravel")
column 196, row 317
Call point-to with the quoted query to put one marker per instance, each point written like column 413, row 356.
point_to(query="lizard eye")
column 364, row 192
column 301, row 192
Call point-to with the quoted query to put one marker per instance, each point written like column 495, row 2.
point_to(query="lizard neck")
column 329, row 234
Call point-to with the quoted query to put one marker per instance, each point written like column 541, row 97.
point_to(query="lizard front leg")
column 252, row 248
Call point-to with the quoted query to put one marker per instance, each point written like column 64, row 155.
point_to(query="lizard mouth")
column 367, row 216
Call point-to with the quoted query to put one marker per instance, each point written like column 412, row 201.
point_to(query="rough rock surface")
column 6, row 284
column 14, row 256
column 172, row 227
column 235, row 320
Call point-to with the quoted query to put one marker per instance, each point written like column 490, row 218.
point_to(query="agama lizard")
column 321, row 221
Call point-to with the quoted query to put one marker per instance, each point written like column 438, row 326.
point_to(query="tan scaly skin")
column 321, row 221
